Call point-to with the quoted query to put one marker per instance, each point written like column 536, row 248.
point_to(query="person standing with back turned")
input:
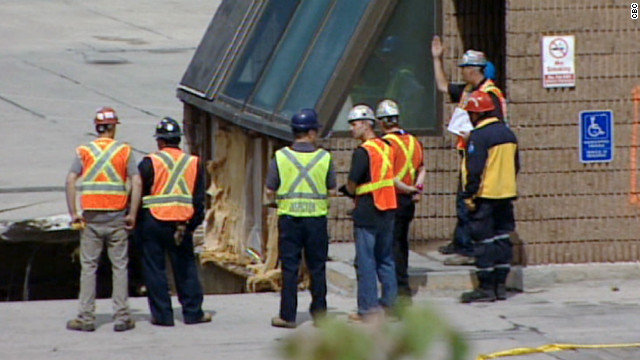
column 409, row 168
column 173, row 207
column 300, row 176
column 104, row 164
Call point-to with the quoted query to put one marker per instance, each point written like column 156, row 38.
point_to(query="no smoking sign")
column 558, row 48
column 558, row 69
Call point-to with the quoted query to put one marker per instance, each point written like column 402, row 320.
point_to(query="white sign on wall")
column 558, row 66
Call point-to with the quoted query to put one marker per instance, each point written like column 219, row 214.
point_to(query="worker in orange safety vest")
column 408, row 168
column 104, row 165
column 172, row 208
column 372, row 182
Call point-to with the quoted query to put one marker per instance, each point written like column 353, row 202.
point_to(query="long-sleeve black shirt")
column 492, row 161
column 146, row 172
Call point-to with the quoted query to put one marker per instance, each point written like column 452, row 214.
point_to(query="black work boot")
column 448, row 249
column 500, row 276
column 485, row 291
column 478, row 295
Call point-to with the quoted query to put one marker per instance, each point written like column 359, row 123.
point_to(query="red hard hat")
column 105, row 115
column 479, row 101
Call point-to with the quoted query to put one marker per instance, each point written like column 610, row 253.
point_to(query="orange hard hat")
column 479, row 101
column 105, row 115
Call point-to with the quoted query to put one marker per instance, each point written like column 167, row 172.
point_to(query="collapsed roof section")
column 261, row 60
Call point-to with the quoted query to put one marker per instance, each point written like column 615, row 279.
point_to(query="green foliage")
column 419, row 330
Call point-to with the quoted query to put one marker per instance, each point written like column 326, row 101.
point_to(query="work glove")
column 77, row 222
column 178, row 235
column 470, row 204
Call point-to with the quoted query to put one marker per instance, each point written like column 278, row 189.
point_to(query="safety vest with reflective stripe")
column 487, row 86
column 303, row 182
column 381, row 186
column 408, row 156
column 174, row 179
column 104, row 174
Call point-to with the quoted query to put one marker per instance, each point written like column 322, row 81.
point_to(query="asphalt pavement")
column 63, row 59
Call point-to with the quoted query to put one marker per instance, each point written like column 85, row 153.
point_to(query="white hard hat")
column 361, row 112
column 473, row 58
column 387, row 108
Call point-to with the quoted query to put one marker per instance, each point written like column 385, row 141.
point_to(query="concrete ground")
column 581, row 313
column 61, row 60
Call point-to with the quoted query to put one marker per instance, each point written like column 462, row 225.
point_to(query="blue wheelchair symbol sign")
column 596, row 136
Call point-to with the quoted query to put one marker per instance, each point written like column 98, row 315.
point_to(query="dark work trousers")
column 403, row 218
column 155, row 239
column 296, row 234
column 462, row 241
column 491, row 223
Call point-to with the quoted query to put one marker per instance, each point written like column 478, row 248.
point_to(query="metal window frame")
column 338, row 90
column 331, row 100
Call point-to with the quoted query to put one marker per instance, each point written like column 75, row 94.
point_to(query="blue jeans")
column 374, row 256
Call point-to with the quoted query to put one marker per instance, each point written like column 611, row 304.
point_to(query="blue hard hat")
column 305, row 119
column 490, row 71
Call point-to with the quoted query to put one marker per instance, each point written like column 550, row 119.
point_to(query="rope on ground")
column 552, row 348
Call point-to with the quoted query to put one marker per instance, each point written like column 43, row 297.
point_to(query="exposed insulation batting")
column 267, row 274
column 233, row 236
column 226, row 232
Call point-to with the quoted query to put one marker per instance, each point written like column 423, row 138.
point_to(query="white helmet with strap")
column 387, row 108
column 361, row 112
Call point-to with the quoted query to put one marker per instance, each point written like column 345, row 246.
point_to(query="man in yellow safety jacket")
column 300, row 176
column 489, row 189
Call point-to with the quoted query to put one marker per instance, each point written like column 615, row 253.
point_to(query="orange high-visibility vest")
column 487, row 86
column 408, row 156
column 104, row 174
column 174, row 181
column 381, row 170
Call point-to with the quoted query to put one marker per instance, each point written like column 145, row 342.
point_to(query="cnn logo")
column 634, row 11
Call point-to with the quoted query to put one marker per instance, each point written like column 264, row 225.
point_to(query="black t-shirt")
column 365, row 214
column 456, row 91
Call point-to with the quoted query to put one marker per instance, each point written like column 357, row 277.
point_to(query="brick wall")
column 568, row 212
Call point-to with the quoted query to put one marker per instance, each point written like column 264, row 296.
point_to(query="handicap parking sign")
column 596, row 136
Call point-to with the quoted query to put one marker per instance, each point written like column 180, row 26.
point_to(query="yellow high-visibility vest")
column 303, row 182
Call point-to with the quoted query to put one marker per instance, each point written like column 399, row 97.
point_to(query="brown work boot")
column 79, row 325
column 124, row 325
column 206, row 317
column 460, row 260
column 282, row 323
column 372, row 317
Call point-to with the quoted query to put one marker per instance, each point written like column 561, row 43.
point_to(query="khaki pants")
column 92, row 240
